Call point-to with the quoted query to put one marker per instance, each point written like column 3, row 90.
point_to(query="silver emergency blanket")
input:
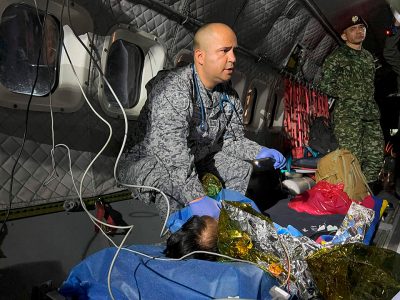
column 243, row 233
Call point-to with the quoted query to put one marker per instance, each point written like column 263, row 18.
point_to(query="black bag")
column 322, row 138
column 264, row 186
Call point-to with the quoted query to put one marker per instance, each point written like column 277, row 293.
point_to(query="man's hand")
column 280, row 160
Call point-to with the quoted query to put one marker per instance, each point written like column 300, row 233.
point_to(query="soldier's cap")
column 353, row 20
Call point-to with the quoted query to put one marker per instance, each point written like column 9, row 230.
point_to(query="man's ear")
column 343, row 36
column 199, row 56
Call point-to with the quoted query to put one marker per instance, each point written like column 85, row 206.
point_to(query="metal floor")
column 43, row 249
column 388, row 233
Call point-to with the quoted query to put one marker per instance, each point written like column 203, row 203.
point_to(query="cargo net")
column 302, row 105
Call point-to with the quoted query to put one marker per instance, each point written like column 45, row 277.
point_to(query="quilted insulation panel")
column 267, row 30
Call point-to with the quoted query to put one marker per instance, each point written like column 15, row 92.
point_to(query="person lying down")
column 195, row 227
column 302, row 266
column 199, row 233
column 236, row 229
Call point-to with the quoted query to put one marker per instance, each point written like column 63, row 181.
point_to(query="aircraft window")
column 278, row 112
column 273, row 112
column 29, row 56
column 130, row 59
column 249, row 104
column 124, row 72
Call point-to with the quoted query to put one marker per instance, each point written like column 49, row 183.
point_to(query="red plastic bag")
column 324, row 198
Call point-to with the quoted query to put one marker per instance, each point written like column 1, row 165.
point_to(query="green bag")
column 341, row 166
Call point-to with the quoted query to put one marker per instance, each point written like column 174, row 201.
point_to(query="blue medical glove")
column 204, row 206
column 280, row 160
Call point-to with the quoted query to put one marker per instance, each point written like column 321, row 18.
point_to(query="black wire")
column 3, row 229
column 203, row 124
column 83, row 44
column 237, row 115
column 228, row 121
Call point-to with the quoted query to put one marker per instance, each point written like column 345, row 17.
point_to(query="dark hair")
column 190, row 238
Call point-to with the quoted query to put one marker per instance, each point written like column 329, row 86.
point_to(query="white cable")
column 70, row 164
column 93, row 219
column 79, row 192
column 125, row 130
column 113, row 262
column 190, row 254
column 53, row 174
column 163, row 231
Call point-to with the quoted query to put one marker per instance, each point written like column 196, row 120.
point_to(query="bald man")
column 191, row 125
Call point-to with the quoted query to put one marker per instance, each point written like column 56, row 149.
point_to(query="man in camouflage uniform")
column 192, row 126
column 348, row 76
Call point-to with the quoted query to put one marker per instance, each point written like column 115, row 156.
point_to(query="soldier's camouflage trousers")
column 365, row 140
column 234, row 174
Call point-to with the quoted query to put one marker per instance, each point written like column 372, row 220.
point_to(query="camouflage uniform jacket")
column 348, row 75
column 173, row 145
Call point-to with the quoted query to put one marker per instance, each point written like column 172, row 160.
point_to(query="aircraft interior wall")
column 268, row 34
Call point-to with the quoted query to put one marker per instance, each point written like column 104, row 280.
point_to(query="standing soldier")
column 348, row 76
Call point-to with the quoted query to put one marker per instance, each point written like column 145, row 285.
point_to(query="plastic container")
column 298, row 185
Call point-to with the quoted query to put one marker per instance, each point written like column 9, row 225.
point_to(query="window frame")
column 154, row 59
column 18, row 83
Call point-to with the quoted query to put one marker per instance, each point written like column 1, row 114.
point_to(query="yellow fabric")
column 385, row 204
